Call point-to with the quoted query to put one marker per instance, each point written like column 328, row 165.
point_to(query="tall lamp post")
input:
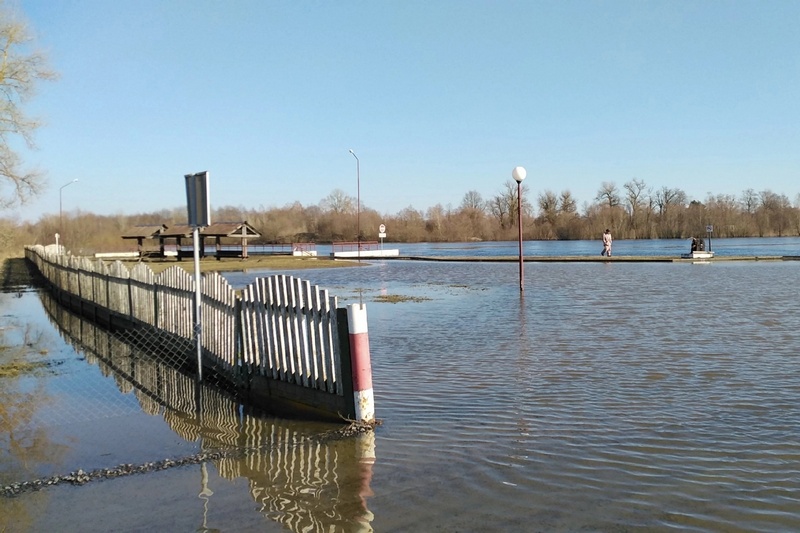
column 60, row 207
column 358, row 204
column 519, row 174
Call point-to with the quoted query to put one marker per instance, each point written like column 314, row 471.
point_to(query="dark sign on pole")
column 197, row 200
column 199, row 208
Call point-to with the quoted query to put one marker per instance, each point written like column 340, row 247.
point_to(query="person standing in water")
column 606, row 243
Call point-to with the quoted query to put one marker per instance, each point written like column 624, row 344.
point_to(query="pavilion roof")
column 144, row 231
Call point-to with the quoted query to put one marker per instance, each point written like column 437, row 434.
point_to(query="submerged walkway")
column 593, row 259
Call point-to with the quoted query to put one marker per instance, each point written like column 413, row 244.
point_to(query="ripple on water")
column 608, row 397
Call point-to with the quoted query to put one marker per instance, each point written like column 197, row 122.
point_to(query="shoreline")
column 592, row 259
column 15, row 273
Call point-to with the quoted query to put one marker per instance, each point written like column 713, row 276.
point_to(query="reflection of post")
column 527, row 360
column 366, row 459
column 360, row 360
column 524, row 347
column 205, row 494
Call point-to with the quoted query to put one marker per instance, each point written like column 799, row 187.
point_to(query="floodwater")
column 768, row 246
column 607, row 397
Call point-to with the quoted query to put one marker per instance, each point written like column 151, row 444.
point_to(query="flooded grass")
column 21, row 349
column 398, row 298
column 18, row 368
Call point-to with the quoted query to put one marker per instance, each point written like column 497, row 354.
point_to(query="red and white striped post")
column 359, row 360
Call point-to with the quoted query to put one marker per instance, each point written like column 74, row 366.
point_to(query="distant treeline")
column 634, row 211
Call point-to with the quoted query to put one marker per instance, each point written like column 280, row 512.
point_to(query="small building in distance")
column 235, row 235
column 229, row 238
column 148, row 242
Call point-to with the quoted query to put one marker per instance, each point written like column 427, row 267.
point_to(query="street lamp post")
column 358, row 204
column 519, row 174
column 60, row 207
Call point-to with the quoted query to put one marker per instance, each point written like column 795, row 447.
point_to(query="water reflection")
column 761, row 246
column 302, row 475
column 24, row 446
column 610, row 397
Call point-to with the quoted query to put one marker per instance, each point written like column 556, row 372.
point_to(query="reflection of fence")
column 291, row 470
column 282, row 341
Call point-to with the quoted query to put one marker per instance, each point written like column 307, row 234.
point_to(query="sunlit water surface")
column 608, row 397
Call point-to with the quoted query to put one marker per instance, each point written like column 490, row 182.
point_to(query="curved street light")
column 60, row 208
column 358, row 204
column 519, row 174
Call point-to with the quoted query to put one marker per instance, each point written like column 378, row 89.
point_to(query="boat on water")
column 698, row 250
column 698, row 254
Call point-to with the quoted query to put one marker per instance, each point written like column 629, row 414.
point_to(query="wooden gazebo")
column 237, row 232
column 230, row 238
column 147, row 237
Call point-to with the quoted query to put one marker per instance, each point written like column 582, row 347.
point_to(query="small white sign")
column 709, row 229
column 382, row 228
column 381, row 235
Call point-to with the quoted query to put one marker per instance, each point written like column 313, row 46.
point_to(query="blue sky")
column 436, row 98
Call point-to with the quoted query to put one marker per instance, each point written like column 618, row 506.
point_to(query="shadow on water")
column 292, row 468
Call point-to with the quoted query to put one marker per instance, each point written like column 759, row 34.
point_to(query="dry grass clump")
column 16, row 368
column 398, row 298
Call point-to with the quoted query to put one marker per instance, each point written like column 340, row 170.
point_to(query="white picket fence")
column 285, row 458
column 280, row 326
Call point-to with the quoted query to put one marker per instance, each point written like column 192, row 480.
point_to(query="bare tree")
column 634, row 198
column 749, row 201
column 796, row 213
column 725, row 213
column 471, row 217
column 338, row 202
column 436, row 218
column 505, row 205
column 773, row 213
column 498, row 207
column 410, row 225
column 19, row 73
column 609, row 202
column 696, row 218
column 473, row 201
column 785, row 215
column 548, row 205
column 608, row 194
column 667, row 198
column 567, row 204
